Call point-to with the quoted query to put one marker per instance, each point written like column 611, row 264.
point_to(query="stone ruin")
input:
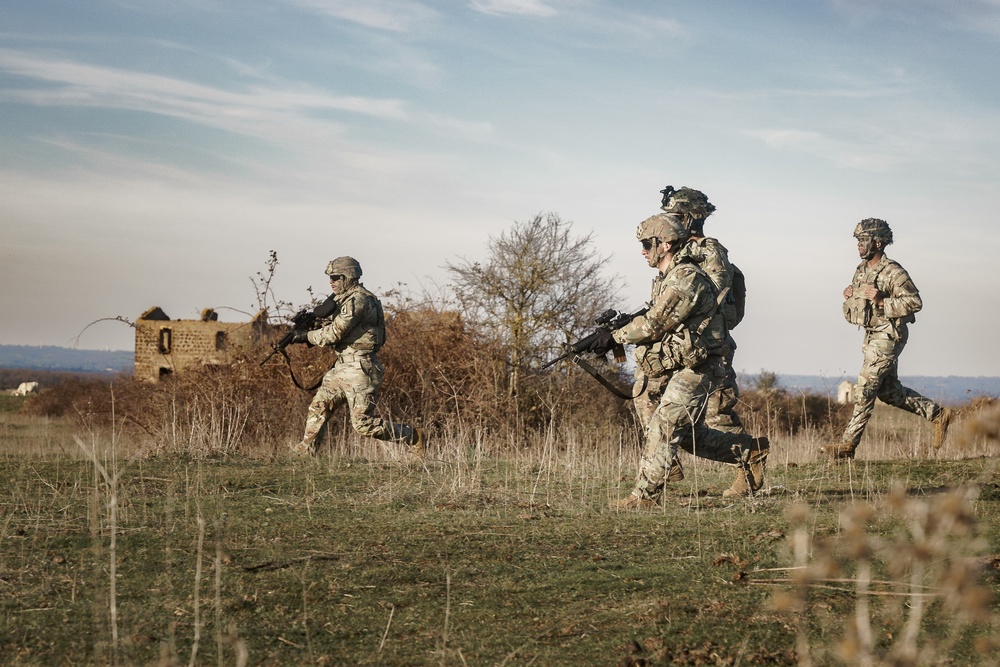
column 164, row 346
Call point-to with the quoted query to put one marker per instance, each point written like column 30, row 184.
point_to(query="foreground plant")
column 916, row 590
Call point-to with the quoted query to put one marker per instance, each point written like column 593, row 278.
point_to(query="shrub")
column 778, row 411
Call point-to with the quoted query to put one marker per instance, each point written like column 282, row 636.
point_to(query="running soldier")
column 356, row 333
column 680, row 343
column 712, row 257
column 882, row 299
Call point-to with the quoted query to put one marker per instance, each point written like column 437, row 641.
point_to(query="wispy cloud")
column 537, row 8
column 391, row 15
column 69, row 83
column 975, row 15
column 839, row 152
column 313, row 128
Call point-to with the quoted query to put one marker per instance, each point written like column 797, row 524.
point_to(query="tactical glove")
column 602, row 341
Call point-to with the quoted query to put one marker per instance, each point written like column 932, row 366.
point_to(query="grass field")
column 477, row 558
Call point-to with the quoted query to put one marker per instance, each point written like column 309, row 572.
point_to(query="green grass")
column 464, row 561
column 10, row 404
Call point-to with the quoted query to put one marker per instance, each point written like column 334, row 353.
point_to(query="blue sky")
column 153, row 153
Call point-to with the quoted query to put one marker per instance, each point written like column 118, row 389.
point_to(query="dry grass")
column 177, row 531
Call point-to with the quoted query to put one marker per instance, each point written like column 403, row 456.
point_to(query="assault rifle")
column 599, row 343
column 303, row 321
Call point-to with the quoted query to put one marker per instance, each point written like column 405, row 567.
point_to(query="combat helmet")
column 874, row 228
column 663, row 227
column 686, row 201
column 344, row 266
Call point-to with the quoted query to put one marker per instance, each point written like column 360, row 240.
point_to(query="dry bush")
column 440, row 372
column 778, row 411
column 240, row 408
column 11, row 378
column 437, row 370
column 982, row 422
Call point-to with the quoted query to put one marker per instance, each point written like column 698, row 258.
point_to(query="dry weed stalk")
column 111, row 480
column 931, row 594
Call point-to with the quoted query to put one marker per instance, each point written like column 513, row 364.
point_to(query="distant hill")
column 51, row 358
column 947, row 389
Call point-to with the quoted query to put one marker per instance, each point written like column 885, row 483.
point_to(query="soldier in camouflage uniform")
column 679, row 349
column 356, row 333
column 713, row 258
column 693, row 208
column 882, row 299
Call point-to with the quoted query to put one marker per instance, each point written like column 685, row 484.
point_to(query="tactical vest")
column 368, row 333
column 688, row 344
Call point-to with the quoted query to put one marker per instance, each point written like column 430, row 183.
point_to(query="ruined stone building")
column 164, row 346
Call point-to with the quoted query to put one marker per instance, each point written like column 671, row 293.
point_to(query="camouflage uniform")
column 356, row 333
column 678, row 347
column 885, row 336
column 691, row 208
column 713, row 258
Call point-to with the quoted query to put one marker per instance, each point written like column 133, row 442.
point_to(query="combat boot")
column 633, row 501
column 302, row 450
column 676, row 472
column 839, row 452
column 419, row 447
column 941, row 424
column 750, row 469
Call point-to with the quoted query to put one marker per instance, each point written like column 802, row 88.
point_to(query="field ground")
column 469, row 559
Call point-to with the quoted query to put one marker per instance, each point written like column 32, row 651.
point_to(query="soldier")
column 713, row 258
column 883, row 300
column 679, row 349
column 356, row 333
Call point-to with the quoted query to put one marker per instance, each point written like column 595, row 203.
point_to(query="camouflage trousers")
column 878, row 379
column 720, row 412
column 673, row 411
column 354, row 380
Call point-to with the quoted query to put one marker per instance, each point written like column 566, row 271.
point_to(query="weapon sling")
column 291, row 373
column 606, row 383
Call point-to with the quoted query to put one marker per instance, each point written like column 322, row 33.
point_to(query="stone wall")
column 164, row 346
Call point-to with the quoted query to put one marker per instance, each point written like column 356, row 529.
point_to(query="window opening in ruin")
column 165, row 341
column 165, row 372
column 220, row 340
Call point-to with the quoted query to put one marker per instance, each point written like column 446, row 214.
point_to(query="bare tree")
column 539, row 285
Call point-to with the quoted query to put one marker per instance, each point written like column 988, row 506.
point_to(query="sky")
column 154, row 153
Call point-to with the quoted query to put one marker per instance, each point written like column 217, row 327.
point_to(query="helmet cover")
column 344, row 266
column 874, row 228
column 687, row 201
column 662, row 226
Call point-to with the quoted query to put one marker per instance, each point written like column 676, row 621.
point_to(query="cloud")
column 76, row 84
column 841, row 153
column 400, row 16
column 284, row 115
column 973, row 15
column 536, row 8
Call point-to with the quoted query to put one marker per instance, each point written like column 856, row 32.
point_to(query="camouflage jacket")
column 901, row 298
column 682, row 326
column 359, row 325
column 713, row 258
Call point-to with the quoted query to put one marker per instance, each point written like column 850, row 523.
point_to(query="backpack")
column 736, row 301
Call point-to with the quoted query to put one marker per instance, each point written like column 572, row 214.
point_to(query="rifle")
column 303, row 321
column 599, row 344
column 609, row 320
